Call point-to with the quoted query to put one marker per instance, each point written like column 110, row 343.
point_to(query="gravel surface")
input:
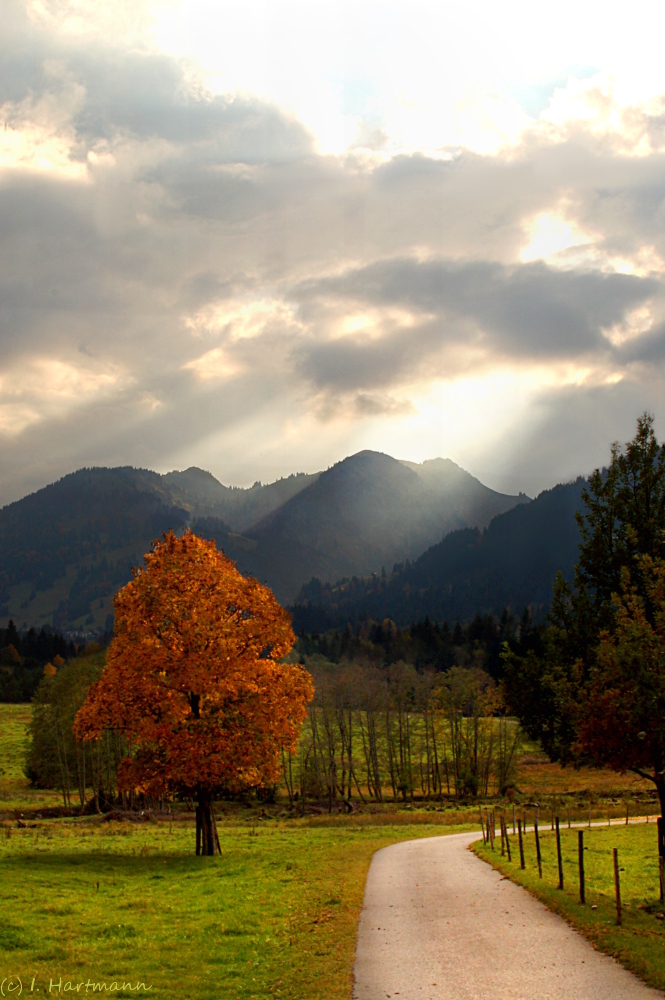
column 440, row 924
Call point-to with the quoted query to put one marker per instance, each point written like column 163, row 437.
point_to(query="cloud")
column 183, row 270
column 466, row 314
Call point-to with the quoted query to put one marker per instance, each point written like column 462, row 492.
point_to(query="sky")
column 258, row 237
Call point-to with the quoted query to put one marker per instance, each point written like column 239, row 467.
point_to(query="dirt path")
column 440, row 924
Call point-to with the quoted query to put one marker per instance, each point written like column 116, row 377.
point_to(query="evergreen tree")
column 623, row 520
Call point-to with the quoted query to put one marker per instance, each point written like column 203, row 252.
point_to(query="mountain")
column 200, row 493
column 366, row 512
column 65, row 550
column 512, row 563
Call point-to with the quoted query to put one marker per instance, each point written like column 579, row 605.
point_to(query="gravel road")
column 439, row 924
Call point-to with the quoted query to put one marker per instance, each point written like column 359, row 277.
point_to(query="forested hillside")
column 203, row 495
column 512, row 563
column 66, row 550
column 366, row 512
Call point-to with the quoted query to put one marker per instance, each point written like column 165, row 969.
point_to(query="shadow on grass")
column 93, row 862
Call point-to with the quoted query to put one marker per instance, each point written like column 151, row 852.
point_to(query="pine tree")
column 623, row 520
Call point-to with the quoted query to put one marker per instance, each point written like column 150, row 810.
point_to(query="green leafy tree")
column 623, row 520
column 622, row 724
column 56, row 759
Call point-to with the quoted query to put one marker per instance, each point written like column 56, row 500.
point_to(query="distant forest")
column 23, row 658
column 425, row 645
column 428, row 645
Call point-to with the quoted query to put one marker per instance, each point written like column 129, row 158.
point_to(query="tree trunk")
column 207, row 840
column 660, row 788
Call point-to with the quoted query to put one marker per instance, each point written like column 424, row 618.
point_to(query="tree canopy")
column 622, row 724
column 593, row 631
column 193, row 679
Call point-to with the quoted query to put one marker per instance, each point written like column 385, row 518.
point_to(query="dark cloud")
column 525, row 312
column 350, row 363
column 529, row 305
column 174, row 204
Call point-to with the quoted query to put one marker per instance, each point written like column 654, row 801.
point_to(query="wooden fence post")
column 482, row 825
column 661, row 853
column 514, row 830
column 617, row 885
column 503, row 846
column 505, row 830
column 558, row 853
column 519, row 834
column 580, row 862
column 540, row 862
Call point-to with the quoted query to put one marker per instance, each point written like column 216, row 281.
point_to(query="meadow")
column 274, row 915
column 86, row 900
column 15, row 792
column 639, row 943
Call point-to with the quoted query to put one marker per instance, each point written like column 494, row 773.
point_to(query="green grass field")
column 15, row 792
column 639, row 943
column 274, row 915
column 85, row 901
column 14, row 721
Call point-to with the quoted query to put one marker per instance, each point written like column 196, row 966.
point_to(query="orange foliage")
column 192, row 677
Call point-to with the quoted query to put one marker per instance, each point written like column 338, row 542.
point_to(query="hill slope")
column 204, row 496
column 513, row 563
column 66, row 549
column 365, row 512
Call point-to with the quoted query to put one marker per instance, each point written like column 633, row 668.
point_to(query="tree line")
column 372, row 733
column 428, row 645
column 395, row 733
column 23, row 657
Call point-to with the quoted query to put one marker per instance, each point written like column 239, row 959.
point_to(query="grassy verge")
column 275, row 915
column 639, row 943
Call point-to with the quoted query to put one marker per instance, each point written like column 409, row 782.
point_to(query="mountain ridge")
column 65, row 549
column 511, row 563
column 371, row 510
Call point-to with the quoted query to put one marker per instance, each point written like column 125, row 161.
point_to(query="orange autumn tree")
column 193, row 680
